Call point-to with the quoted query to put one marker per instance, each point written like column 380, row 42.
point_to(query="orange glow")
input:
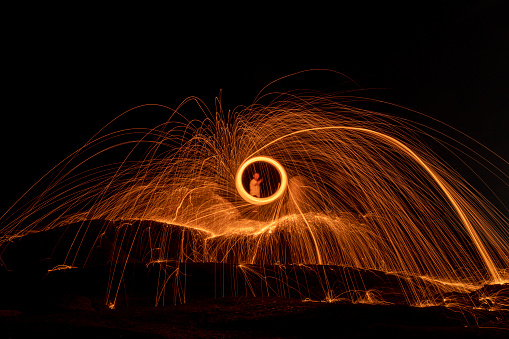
column 261, row 201
column 359, row 189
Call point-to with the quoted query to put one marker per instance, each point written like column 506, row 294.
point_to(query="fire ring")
column 260, row 201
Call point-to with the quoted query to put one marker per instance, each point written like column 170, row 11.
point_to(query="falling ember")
column 341, row 186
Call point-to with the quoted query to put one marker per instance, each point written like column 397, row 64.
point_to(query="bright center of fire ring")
column 260, row 201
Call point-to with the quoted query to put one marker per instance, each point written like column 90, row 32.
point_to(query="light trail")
column 266, row 200
column 443, row 185
column 358, row 189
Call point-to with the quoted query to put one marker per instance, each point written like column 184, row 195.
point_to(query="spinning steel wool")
column 342, row 186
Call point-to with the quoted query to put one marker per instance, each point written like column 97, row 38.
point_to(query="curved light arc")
column 261, row 201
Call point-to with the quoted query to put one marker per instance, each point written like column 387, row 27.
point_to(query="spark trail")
column 343, row 186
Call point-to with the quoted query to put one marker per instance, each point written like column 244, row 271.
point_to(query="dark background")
column 66, row 75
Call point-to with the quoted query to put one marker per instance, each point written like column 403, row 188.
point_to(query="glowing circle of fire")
column 261, row 201
column 360, row 190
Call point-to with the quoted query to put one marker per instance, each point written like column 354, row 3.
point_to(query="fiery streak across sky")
column 356, row 188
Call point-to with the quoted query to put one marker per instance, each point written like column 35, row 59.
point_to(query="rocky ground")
column 226, row 301
column 246, row 317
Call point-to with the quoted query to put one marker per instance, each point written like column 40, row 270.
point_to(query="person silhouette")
column 254, row 185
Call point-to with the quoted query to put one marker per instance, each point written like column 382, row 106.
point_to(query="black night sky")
column 65, row 78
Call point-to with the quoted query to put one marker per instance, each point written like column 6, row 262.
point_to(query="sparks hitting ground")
column 343, row 186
